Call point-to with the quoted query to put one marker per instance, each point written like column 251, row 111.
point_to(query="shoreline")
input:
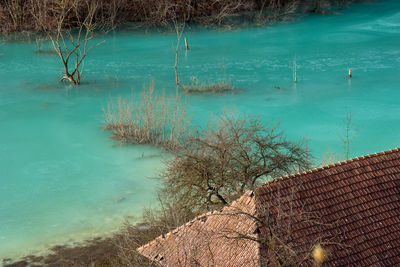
column 151, row 14
column 97, row 251
column 75, row 248
column 47, row 251
column 101, row 250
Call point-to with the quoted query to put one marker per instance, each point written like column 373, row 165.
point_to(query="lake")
column 63, row 179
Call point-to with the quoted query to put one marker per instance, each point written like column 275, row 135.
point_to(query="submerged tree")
column 72, row 34
column 219, row 165
column 179, row 28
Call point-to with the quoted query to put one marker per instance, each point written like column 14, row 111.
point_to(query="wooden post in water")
column 186, row 44
column 294, row 70
column 350, row 73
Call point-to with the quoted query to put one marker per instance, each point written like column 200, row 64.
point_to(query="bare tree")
column 219, row 165
column 71, row 39
column 179, row 28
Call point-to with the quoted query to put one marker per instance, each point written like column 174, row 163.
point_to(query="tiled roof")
column 356, row 204
column 355, row 207
column 210, row 239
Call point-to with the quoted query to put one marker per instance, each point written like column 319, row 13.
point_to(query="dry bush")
column 14, row 15
column 109, row 13
column 236, row 154
column 153, row 223
column 221, row 87
column 218, row 11
column 150, row 118
column 162, row 12
column 272, row 11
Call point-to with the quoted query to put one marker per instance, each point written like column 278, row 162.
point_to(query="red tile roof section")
column 357, row 202
column 209, row 239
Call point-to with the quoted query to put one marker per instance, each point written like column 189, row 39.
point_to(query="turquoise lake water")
column 62, row 178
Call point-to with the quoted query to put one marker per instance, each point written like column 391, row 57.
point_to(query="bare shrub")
column 272, row 11
column 221, row 87
column 195, row 87
column 153, row 223
column 218, row 11
column 109, row 13
column 234, row 155
column 150, row 118
column 162, row 12
column 14, row 12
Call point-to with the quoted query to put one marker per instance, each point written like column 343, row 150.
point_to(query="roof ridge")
column 328, row 166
